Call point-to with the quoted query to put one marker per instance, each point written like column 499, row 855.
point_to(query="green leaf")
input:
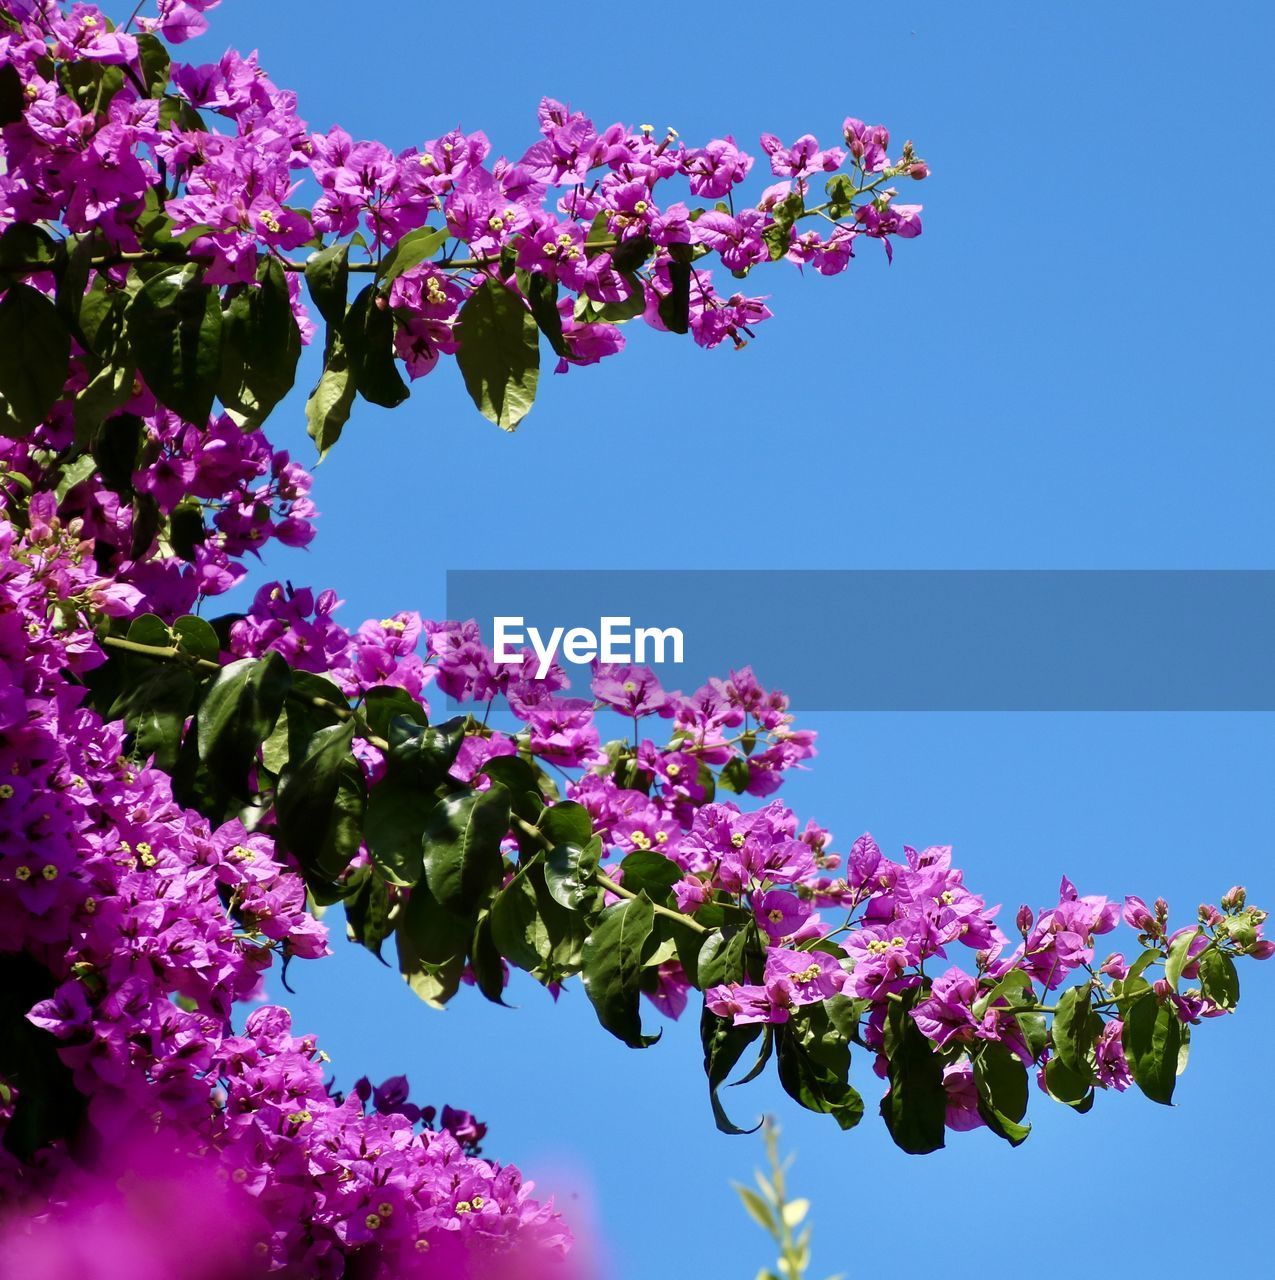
column 367, row 913
column 25, row 247
column 1178, row 956
column 327, row 276
column 433, row 983
column 437, row 935
column 463, row 862
column 1218, row 980
column 613, row 969
column 813, row 1085
column 260, row 348
column 328, row 408
column 723, row 959
column 174, row 326
column 571, row 873
column 397, row 810
column 645, row 871
column 485, row 963
column 724, row 1045
column 1065, row 1085
column 414, row 248
column 522, row 783
column 499, row 354
column 111, row 389
column 155, row 63
column 675, row 306
column 196, row 637
column 237, row 714
column 35, row 353
column 403, row 802
column 384, row 703
column 567, row 823
column 1152, row 1040
column 757, row 1209
column 368, row 332
column 517, row 929
column 542, row 296
column 1076, row 1030
column 916, row 1104
column 1001, row 1081
column 320, row 802
column 154, row 706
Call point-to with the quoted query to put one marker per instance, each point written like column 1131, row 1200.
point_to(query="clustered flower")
column 600, row 214
column 156, row 929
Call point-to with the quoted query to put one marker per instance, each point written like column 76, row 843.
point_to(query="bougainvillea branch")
column 182, row 795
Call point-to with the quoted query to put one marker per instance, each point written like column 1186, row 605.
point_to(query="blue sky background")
column 1066, row 370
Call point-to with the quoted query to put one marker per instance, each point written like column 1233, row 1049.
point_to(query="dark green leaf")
column 25, row 247
column 542, row 296
column 1066, row 1086
column 813, row 1085
column 35, row 351
column 1001, row 1081
column 1218, row 980
column 1152, row 1039
column 367, row 913
column 260, row 348
column 520, row 780
column 320, row 803
column 369, row 338
column 174, row 325
column 196, row 637
column 645, row 871
column 675, row 306
column 155, row 63
column 463, row 862
column 613, row 968
column 517, row 930
column 433, row 983
column 236, row 716
column 1076, row 1030
column 485, row 963
column 916, row 1104
column 437, row 935
column 724, row 1045
column 327, row 275
column 385, row 702
column 499, row 354
column 154, row 707
column 571, row 873
column 567, row 823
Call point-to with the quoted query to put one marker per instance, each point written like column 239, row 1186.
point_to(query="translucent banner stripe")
column 921, row 640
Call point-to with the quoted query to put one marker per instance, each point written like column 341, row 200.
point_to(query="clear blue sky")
column 1066, row 370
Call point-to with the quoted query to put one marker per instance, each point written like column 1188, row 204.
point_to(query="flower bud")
column 1024, row 920
column 1233, row 899
column 1262, row 949
column 1114, row 966
column 1209, row 915
column 1161, row 910
column 919, row 170
column 1162, row 988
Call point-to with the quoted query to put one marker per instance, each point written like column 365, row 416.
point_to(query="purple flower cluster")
column 599, row 214
column 155, row 927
